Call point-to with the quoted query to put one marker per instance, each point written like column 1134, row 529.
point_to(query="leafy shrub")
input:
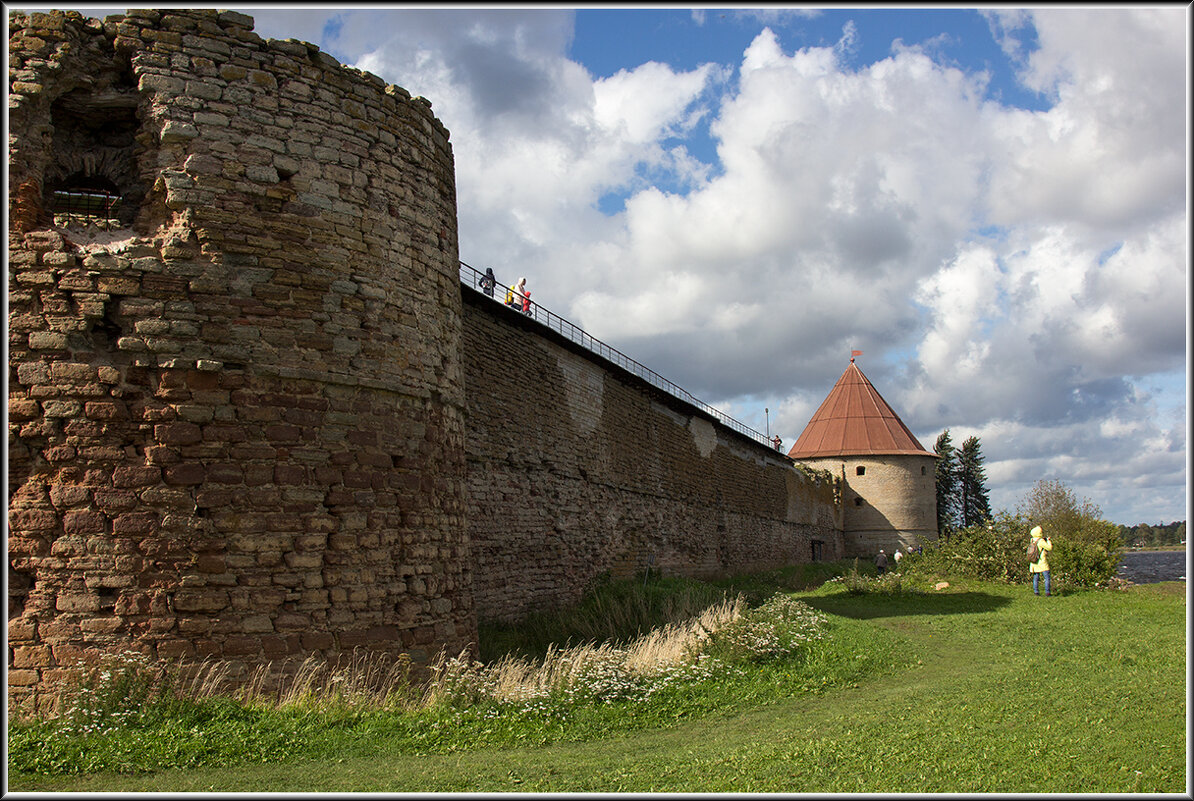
column 780, row 628
column 993, row 551
column 1054, row 506
column 1081, row 564
column 889, row 583
column 996, row 551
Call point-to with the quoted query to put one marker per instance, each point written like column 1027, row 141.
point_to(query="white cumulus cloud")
column 1016, row 274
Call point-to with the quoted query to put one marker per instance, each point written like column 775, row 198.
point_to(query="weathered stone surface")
column 174, row 375
column 577, row 469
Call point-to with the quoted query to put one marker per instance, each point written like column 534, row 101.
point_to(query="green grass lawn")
column 979, row 688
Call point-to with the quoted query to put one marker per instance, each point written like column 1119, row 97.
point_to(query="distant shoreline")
column 1155, row 548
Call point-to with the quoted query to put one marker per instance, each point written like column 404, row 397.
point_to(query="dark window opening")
column 922, row 469
column 818, row 552
column 107, row 330
column 860, row 470
column 107, row 597
column 92, row 177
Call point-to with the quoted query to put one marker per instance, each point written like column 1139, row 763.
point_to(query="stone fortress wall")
column 577, row 468
column 255, row 417
column 233, row 432
column 888, row 501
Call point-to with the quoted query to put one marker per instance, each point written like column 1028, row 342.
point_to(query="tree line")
column 1143, row 534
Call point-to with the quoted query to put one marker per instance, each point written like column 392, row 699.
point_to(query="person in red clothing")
column 526, row 302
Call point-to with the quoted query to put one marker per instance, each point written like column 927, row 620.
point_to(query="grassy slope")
column 1112, row 718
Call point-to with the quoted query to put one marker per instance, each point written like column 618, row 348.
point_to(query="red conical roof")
column 854, row 421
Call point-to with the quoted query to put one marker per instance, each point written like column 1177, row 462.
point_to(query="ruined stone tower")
column 235, row 392
column 889, row 496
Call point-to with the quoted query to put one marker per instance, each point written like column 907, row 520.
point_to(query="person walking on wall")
column 881, row 562
column 526, row 302
column 488, row 281
column 1041, row 565
column 514, row 296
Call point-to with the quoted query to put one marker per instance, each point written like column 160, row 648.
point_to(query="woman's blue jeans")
column 1036, row 582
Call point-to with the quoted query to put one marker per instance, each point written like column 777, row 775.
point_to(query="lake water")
column 1149, row 567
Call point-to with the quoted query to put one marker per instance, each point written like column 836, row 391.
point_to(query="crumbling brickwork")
column 235, row 396
column 578, row 469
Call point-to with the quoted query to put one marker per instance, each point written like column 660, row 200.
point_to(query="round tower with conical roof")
column 889, row 497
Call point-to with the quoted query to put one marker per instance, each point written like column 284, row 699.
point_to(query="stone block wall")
column 236, row 411
column 888, row 501
column 576, row 469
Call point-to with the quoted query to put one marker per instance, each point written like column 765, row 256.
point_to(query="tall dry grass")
column 365, row 679
column 513, row 679
column 378, row 680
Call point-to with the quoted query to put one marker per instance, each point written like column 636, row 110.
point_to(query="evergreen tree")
column 972, row 484
column 947, row 484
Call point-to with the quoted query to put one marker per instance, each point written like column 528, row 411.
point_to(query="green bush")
column 780, row 628
column 1081, row 564
column 996, row 551
column 889, row 583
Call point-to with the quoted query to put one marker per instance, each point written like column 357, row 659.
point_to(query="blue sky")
column 605, row 42
column 990, row 203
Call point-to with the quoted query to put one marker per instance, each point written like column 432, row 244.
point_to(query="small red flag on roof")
column 854, row 353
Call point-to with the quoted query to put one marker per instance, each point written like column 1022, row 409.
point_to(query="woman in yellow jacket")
column 1041, row 565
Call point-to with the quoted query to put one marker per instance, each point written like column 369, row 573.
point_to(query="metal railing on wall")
column 476, row 280
column 85, row 207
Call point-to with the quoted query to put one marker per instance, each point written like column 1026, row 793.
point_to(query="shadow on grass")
column 868, row 606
